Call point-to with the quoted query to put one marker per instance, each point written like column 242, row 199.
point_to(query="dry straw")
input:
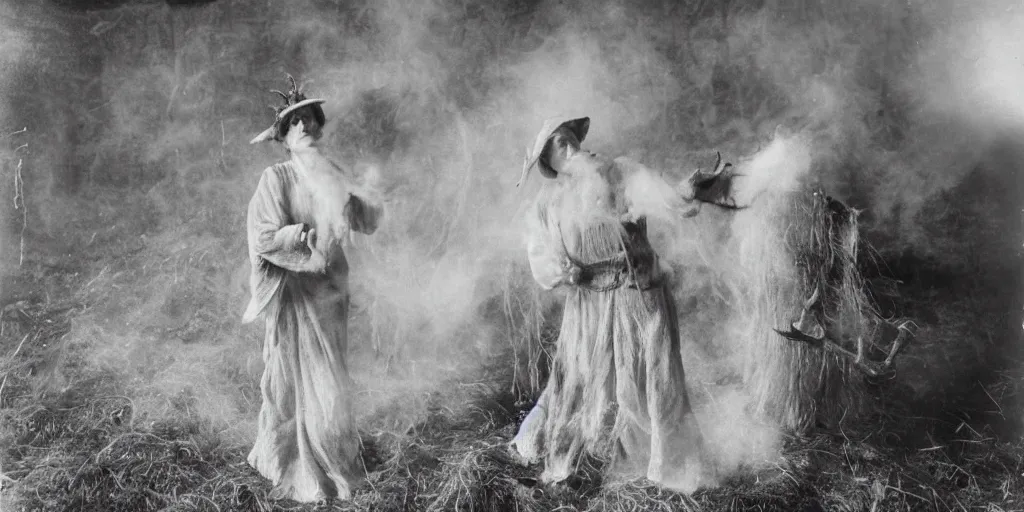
column 794, row 244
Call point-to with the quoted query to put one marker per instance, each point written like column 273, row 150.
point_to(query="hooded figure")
column 616, row 386
column 303, row 209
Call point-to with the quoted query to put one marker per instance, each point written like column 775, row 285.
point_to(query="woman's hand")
column 317, row 260
column 571, row 271
column 713, row 187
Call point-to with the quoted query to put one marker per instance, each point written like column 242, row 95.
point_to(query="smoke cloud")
column 884, row 105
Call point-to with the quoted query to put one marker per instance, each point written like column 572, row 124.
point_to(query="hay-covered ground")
column 74, row 440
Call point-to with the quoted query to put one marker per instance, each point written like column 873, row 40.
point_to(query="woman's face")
column 302, row 128
column 562, row 146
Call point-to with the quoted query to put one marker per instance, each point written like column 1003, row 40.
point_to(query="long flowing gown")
column 306, row 443
column 617, row 385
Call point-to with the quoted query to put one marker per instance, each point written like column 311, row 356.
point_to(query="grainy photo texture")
column 511, row 255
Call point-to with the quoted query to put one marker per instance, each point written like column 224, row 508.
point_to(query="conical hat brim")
column 579, row 126
column 265, row 135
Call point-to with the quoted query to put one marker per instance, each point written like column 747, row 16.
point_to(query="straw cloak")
column 617, row 384
column 307, row 443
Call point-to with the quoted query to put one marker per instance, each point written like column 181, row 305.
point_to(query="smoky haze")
column 140, row 170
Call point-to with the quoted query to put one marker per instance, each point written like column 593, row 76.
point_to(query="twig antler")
column 283, row 96
column 699, row 177
column 810, row 330
column 292, row 94
column 291, row 79
column 871, row 368
column 719, row 166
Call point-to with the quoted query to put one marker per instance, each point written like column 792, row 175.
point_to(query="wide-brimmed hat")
column 293, row 101
column 579, row 126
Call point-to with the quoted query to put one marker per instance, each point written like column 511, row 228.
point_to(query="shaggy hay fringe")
column 529, row 316
column 788, row 244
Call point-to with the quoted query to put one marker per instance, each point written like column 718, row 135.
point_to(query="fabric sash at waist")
column 637, row 270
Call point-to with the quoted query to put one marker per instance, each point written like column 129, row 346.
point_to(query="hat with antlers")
column 293, row 101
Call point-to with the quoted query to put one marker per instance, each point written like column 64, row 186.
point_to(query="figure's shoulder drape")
column 546, row 257
column 268, row 212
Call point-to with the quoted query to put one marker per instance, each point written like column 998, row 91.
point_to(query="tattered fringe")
column 531, row 329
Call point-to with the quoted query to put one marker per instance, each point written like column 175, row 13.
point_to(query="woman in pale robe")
column 306, row 443
column 617, row 385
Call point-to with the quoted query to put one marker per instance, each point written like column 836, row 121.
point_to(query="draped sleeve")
column 645, row 187
column 648, row 194
column 544, row 255
column 274, row 242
